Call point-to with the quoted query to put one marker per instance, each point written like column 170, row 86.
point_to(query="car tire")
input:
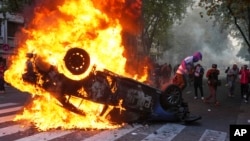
column 172, row 96
column 77, row 60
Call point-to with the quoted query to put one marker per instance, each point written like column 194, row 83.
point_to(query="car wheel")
column 172, row 96
column 77, row 60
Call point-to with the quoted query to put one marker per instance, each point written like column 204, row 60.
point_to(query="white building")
column 8, row 28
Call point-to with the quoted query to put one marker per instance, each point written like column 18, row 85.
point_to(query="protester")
column 190, row 76
column 226, row 71
column 184, row 69
column 2, row 69
column 232, row 76
column 198, row 80
column 156, row 75
column 244, row 80
column 212, row 76
column 165, row 73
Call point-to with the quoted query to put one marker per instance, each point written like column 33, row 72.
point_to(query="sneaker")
column 202, row 98
column 244, row 96
column 195, row 97
column 245, row 101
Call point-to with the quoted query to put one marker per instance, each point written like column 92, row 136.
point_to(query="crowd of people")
column 234, row 76
column 192, row 74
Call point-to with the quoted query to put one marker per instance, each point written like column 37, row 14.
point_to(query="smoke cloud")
column 200, row 34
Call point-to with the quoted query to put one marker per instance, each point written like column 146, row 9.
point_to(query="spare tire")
column 77, row 60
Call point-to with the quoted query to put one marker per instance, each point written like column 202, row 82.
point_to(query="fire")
column 46, row 113
column 73, row 23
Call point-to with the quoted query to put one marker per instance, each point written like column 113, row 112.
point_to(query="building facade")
column 9, row 26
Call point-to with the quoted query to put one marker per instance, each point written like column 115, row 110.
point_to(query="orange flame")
column 75, row 23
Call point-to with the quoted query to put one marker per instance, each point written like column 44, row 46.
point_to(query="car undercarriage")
column 124, row 99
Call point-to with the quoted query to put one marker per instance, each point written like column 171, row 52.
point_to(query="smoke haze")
column 199, row 34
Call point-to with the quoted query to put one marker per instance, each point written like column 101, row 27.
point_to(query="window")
column 12, row 28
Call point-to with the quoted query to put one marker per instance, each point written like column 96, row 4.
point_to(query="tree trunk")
column 237, row 25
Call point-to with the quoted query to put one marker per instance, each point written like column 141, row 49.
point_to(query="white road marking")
column 166, row 133
column 12, row 129
column 6, row 118
column 110, row 135
column 44, row 136
column 212, row 135
column 7, row 104
column 7, row 110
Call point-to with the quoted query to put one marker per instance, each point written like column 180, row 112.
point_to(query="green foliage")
column 230, row 15
column 13, row 6
column 158, row 16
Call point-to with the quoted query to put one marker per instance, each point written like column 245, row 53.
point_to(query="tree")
column 158, row 16
column 12, row 6
column 232, row 15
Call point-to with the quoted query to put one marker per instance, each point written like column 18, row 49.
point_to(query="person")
column 184, row 69
column 226, row 71
column 165, row 72
column 198, row 79
column 212, row 76
column 244, row 80
column 156, row 75
column 232, row 76
column 190, row 76
column 2, row 69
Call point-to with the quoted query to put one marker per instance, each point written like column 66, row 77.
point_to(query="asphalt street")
column 229, row 106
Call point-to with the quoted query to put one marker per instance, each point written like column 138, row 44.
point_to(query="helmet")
column 197, row 55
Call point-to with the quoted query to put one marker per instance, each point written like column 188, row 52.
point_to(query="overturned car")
column 131, row 101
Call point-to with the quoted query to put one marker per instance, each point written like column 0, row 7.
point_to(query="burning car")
column 124, row 99
column 80, row 71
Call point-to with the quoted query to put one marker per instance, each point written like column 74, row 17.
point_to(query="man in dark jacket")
column 198, row 79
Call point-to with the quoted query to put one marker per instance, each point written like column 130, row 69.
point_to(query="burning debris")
column 55, row 29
